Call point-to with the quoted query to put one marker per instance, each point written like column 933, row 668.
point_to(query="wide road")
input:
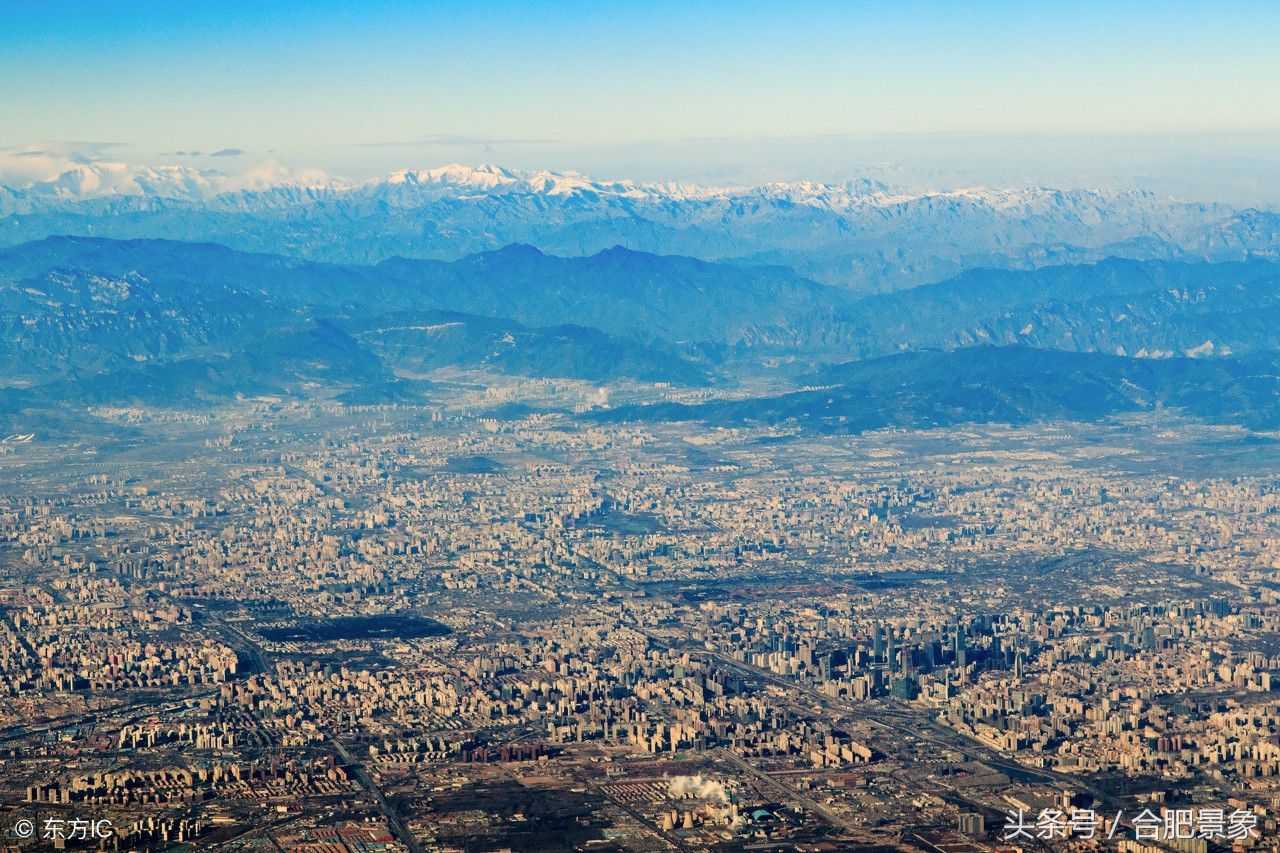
column 394, row 823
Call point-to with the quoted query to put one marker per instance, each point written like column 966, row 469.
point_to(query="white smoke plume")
column 697, row 787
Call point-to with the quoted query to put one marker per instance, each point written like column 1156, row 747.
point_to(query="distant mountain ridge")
column 91, row 320
column 99, row 181
column 861, row 234
column 1011, row 385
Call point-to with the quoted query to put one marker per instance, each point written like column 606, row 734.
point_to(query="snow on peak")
column 107, row 179
column 85, row 180
column 274, row 184
column 484, row 177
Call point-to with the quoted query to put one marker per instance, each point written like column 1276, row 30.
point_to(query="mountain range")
column 862, row 235
column 98, row 321
column 1001, row 384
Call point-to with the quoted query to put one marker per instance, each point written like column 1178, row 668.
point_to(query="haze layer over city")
column 645, row 427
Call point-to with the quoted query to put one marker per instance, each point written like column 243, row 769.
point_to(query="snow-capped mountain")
column 104, row 180
column 107, row 180
column 860, row 233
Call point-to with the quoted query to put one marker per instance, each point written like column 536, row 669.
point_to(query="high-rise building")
column 972, row 824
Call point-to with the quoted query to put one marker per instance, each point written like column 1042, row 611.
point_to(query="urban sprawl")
column 317, row 627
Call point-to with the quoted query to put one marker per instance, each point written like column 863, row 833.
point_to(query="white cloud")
column 21, row 165
column 87, row 170
column 273, row 173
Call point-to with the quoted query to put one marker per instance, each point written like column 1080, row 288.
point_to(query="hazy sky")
column 1183, row 96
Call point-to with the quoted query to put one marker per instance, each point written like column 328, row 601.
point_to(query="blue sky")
column 732, row 91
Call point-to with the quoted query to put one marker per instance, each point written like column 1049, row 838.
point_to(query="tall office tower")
column 877, row 643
